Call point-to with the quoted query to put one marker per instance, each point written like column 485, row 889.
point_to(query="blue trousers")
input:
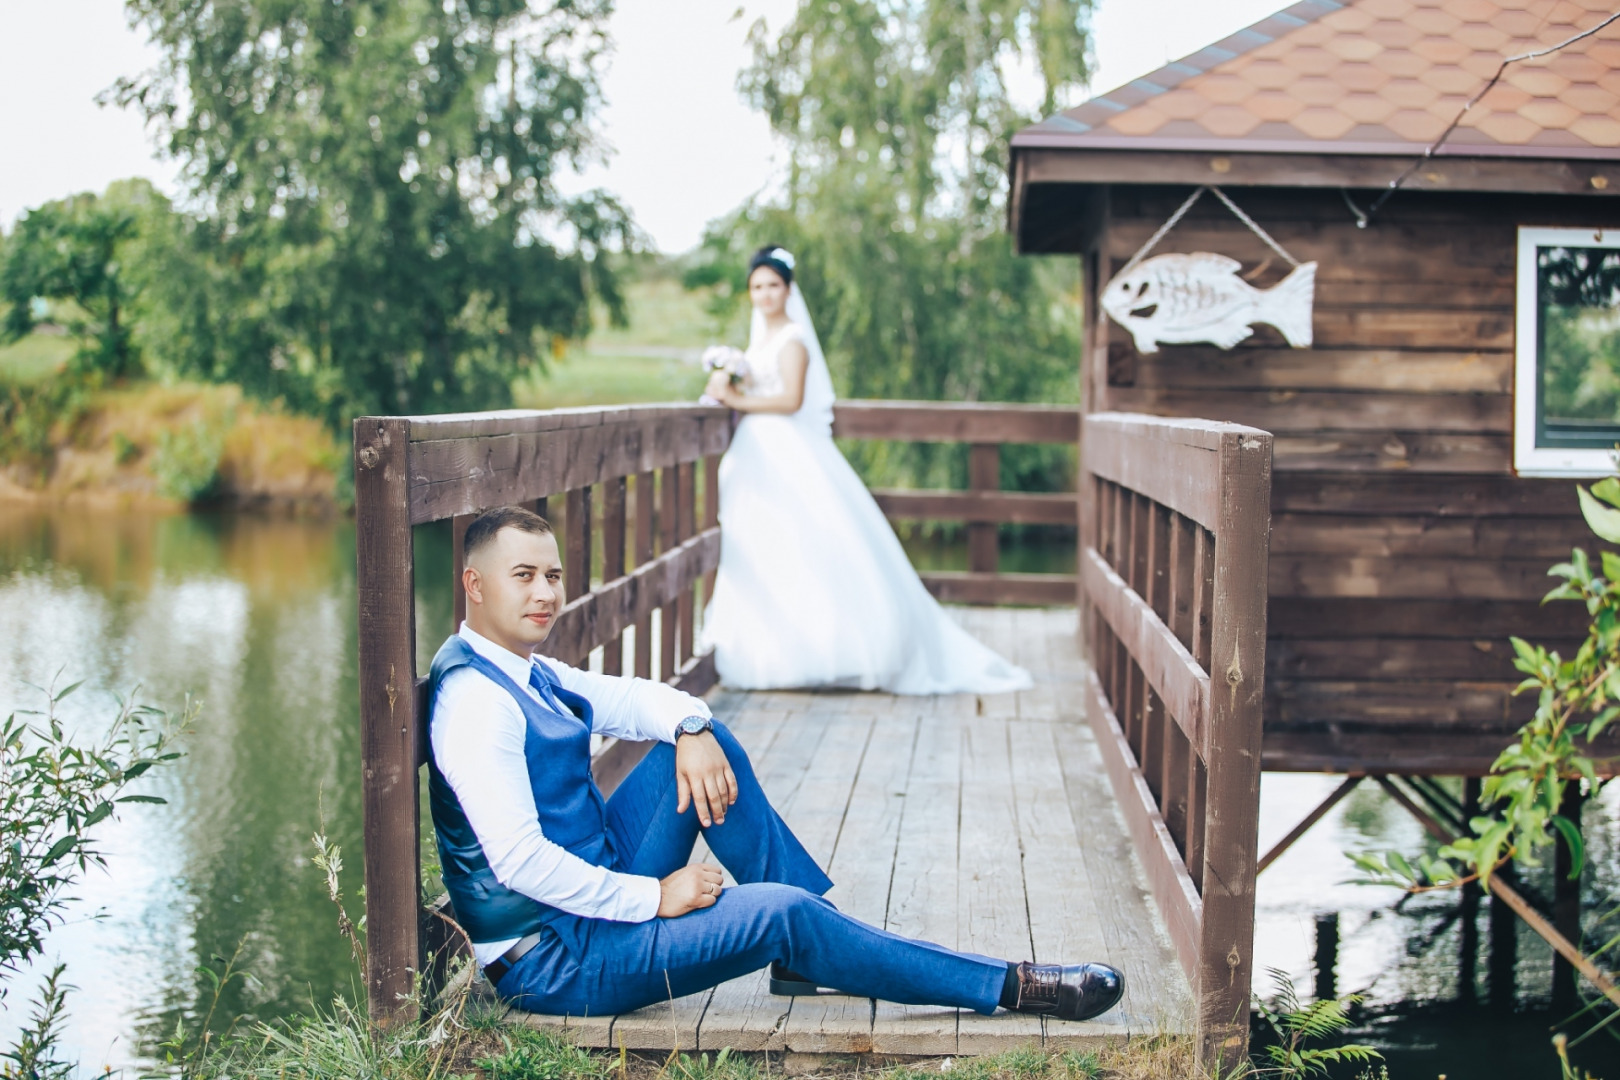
column 596, row 967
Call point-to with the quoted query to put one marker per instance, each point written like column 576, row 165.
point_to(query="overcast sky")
column 687, row 150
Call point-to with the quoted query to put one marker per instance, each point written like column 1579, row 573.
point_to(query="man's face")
column 514, row 589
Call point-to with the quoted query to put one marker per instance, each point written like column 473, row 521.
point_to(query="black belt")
column 496, row 969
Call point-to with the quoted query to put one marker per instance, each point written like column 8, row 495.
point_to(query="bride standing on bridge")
column 813, row 587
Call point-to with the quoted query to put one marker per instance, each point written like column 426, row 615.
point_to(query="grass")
column 35, row 358
column 479, row 1044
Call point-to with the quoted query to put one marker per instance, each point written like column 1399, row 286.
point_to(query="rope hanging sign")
column 1182, row 299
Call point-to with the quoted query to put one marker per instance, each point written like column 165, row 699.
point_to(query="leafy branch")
column 53, row 792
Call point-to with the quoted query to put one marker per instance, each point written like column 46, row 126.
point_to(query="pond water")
column 255, row 618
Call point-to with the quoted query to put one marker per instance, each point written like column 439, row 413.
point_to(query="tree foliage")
column 898, row 116
column 83, row 254
column 377, row 224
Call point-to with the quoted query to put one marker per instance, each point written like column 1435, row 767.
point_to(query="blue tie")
column 542, row 686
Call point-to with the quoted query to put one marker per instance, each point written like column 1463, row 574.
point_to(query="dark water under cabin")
column 255, row 617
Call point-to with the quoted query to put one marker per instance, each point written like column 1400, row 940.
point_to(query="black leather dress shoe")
column 1068, row 992
column 788, row 983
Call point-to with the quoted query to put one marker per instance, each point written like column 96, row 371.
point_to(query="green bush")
column 185, row 463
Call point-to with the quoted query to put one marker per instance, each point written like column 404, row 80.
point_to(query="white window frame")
column 1528, row 458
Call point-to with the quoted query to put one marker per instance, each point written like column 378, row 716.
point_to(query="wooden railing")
column 640, row 465
column 985, row 427
column 631, row 474
column 1175, row 526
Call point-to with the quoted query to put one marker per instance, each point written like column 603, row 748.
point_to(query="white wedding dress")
column 814, row 589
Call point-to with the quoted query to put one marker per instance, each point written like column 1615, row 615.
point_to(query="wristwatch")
column 693, row 724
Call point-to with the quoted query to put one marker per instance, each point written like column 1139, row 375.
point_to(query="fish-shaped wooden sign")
column 1181, row 299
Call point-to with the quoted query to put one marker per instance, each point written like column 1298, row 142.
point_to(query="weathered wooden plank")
column 1415, row 577
column 984, row 474
column 1015, row 507
column 1065, row 922
column 1310, row 411
column 1403, row 536
column 445, row 426
column 1468, row 752
column 953, row 421
column 862, row 867
column 1246, row 367
column 669, row 536
column 1157, row 996
column 614, row 524
column 968, row 587
column 1389, row 451
column 923, row 902
column 1172, row 887
column 464, row 475
column 1399, row 493
column 577, row 528
column 1170, row 669
column 1479, row 659
column 993, row 908
column 644, row 554
column 1171, row 463
column 1231, row 749
column 742, row 1013
column 390, row 736
column 1435, row 704
column 1465, row 619
column 597, row 617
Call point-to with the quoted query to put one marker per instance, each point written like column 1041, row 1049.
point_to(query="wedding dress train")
column 813, row 588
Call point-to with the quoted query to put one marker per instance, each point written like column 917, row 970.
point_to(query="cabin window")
column 1567, row 377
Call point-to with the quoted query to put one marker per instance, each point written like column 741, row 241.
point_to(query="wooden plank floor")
column 982, row 822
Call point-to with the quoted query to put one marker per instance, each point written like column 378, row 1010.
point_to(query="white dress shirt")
column 478, row 732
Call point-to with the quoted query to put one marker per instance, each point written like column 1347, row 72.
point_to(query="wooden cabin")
column 1429, row 440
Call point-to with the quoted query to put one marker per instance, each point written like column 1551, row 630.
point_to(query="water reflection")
column 256, row 618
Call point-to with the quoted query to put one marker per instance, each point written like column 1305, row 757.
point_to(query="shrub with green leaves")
column 185, row 463
column 53, row 793
column 1295, row 1026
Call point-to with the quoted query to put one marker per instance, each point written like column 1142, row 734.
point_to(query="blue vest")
column 572, row 812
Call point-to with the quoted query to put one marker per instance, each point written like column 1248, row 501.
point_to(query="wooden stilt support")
column 1510, row 896
column 1305, row 826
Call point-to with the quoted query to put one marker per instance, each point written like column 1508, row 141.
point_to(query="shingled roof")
column 1372, row 77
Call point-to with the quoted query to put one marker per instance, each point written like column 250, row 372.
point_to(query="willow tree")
column 897, row 115
column 376, row 224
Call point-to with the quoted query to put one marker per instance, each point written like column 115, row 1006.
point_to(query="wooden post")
column 686, row 500
column 668, row 533
column 711, row 511
column 385, row 594
column 613, row 529
column 458, row 563
column 1231, row 752
column 984, row 474
column 577, row 553
column 643, row 554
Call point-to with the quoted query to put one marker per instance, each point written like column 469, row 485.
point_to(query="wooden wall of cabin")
column 1404, row 549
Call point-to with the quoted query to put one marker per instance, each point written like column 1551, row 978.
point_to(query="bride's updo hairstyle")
column 777, row 258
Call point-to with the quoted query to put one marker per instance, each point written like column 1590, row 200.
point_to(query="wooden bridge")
column 1108, row 813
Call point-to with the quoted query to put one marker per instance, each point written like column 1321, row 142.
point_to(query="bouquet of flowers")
column 727, row 359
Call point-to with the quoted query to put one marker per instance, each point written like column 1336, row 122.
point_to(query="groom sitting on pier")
column 581, row 905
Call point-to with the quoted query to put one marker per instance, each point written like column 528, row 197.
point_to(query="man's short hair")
column 487, row 524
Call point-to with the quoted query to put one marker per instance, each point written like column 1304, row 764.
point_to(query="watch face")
column 694, row 724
